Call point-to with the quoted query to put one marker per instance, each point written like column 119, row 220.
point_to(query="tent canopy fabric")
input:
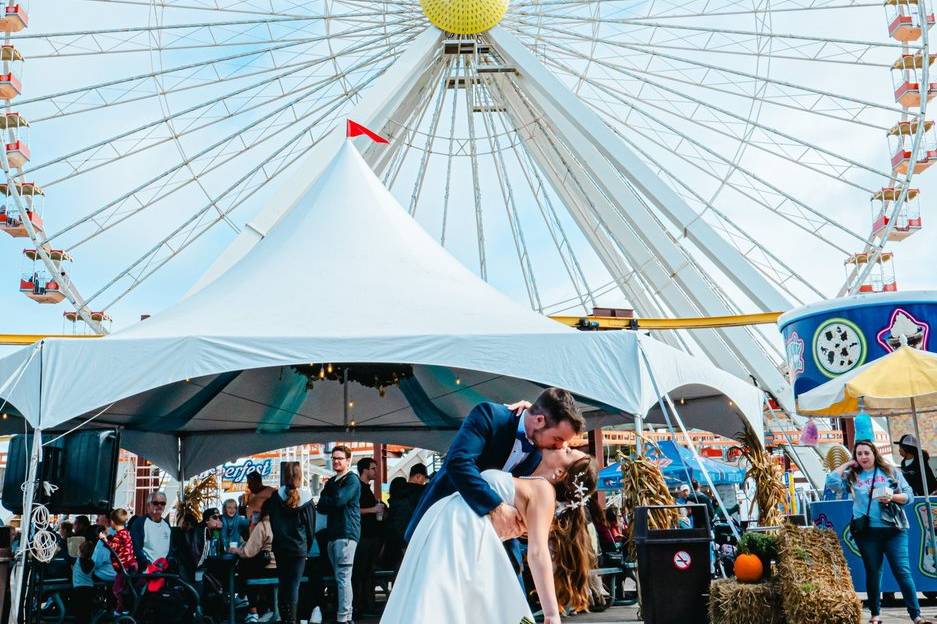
column 346, row 277
column 674, row 461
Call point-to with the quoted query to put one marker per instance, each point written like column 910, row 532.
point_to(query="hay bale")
column 816, row 587
column 731, row 602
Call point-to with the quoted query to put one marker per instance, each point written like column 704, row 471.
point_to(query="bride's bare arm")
column 541, row 506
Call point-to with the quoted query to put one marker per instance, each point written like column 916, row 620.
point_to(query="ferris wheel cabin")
column 11, row 220
column 880, row 279
column 37, row 283
column 907, row 220
column 17, row 145
column 15, row 18
column 901, row 140
column 906, row 75
column 904, row 22
column 10, row 85
column 41, row 288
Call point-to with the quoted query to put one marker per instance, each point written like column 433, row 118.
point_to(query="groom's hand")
column 507, row 521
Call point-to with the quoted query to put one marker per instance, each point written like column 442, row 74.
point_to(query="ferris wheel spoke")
column 195, row 6
column 809, row 97
column 791, row 209
column 433, row 129
column 820, row 105
column 774, row 8
column 163, row 185
column 88, row 156
column 762, row 194
column 510, row 207
column 651, row 36
column 240, row 191
column 772, row 265
column 184, row 36
column 773, row 141
column 545, row 205
column 434, row 86
column 112, row 92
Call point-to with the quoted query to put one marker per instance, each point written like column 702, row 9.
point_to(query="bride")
column 456, row 569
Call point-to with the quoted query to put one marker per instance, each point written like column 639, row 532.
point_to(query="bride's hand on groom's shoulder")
column 518, row 407
column 552, row 619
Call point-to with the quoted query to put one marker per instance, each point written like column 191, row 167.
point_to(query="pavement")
column 890, row 615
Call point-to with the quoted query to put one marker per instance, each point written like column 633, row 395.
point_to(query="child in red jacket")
column 121, row 546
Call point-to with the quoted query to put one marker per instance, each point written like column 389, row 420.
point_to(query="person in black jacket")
column 910, row 466
column 293, row 522
column 340, row 502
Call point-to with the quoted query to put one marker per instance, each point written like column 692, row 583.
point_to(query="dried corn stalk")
column 196, row 496
column 642, row 484
column 769, row 490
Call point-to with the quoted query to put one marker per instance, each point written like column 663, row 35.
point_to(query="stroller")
column 176, row 602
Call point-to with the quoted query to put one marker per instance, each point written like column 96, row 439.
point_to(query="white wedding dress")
column 456, row 569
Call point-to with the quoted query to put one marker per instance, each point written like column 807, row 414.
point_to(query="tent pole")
column 638, row 430
column 932, row 538
column 180, row 473
column 686, row 435
column 790, row 444
column 18, row 579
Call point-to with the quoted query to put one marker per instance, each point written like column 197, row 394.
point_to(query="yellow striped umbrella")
column 903, row 381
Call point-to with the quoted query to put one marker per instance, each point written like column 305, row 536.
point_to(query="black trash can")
column 673, row 568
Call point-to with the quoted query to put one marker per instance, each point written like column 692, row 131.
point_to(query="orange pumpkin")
column 748, row 568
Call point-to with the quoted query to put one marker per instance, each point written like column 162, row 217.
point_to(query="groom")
column 493, row 436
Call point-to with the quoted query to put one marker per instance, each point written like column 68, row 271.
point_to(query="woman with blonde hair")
column 879, row 524
column 292, row 522
column 456, row 570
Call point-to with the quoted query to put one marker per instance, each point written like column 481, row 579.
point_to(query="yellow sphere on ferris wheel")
column 464, row 17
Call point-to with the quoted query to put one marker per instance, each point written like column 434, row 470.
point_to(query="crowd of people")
column 268, row 533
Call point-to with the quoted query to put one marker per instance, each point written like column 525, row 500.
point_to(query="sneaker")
column 252, row 617
column 266, row 617
column 316, row 617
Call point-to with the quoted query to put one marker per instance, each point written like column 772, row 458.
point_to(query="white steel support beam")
column 536, row 79
column 597, row 215
column 380, row 101
column 676, row 278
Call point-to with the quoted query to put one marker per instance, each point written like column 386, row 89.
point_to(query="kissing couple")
column 509, row 472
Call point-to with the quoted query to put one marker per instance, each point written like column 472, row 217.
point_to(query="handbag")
column 858, row 526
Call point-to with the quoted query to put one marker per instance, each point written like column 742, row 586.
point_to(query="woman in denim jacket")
column 867, row 475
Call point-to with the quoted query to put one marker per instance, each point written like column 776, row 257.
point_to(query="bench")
column 274, row 582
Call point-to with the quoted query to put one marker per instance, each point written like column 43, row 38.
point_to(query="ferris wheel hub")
column 464, row 17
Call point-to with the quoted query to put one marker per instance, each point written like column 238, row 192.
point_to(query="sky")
column 70, row 196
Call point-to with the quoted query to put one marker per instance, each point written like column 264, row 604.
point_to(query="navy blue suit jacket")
column 484, row 441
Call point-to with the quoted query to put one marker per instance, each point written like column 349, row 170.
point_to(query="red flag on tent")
column 354, row 129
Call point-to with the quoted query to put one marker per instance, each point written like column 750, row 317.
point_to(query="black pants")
column 289, row 572
column 82, row 601
column 362, row 575
column 314, row 595
column 257, row 597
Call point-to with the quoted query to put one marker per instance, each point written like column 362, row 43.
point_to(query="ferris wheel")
column 680, row 156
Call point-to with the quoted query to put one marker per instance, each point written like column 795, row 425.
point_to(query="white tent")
column 212, row 377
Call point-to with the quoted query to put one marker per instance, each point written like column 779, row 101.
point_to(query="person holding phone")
column 879, row 524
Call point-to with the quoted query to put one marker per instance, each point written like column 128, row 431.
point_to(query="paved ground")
column 891, row 615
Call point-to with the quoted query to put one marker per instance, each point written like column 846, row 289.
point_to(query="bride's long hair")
column 573, row 557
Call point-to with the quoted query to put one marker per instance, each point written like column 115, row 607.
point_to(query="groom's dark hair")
column 557, row 405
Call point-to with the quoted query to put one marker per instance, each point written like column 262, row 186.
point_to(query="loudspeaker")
column 83, row 465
